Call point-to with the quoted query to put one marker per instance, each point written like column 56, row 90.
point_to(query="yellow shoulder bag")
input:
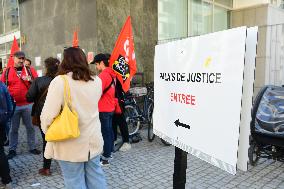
column 65, row 125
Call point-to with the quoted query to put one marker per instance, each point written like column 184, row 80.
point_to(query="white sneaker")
column 2, row 186
column 104, row 163
column 125, row 147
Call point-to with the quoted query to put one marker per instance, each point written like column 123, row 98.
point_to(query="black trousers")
column 46, row 162
column 4, row 165
column 119, row 120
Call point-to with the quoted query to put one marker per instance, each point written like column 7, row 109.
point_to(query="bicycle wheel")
column 132, row 119
column 253, row 154
column 150, row 109
column 151, row 134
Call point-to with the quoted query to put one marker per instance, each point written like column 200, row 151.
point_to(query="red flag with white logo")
column 122, row 59
column 14, row 49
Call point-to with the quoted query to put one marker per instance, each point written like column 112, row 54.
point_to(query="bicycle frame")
column 142, row 115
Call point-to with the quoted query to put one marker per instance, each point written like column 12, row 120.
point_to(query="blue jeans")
column 107, row 132
column 83, row 175
column 23, row 112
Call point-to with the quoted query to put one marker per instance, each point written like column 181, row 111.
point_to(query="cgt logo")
column 121, row 66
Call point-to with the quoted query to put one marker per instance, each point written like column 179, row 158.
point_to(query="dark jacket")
column 6, row 98
column 4, row 90
column 2, row 134
column 120, row 95
column 38, row 87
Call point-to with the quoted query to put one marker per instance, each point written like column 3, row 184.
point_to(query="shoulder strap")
column 67, row 96
column 21, row 79
column 106, row 89
column 30, row 72
column 6, row 75
column 43, row 94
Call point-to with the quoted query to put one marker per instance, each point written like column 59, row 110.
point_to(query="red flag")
column 75, row 39
column 14, row 49
column 122, row 59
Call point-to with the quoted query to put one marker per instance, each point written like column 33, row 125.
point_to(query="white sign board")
column 251, row 45
column 198, row 93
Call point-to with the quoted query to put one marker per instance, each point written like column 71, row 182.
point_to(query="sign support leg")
column 180, row 166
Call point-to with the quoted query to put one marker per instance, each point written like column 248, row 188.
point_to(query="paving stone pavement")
column 146, row 165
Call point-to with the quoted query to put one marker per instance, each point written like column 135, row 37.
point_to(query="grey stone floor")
column 146, row 165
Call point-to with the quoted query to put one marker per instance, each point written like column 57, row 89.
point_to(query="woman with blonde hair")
column 79, row 158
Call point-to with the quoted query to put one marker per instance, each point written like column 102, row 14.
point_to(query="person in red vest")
column 18, row 80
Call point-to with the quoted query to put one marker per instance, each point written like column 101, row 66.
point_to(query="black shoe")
column 11, row 154
column 35, row 151
column 104, row 162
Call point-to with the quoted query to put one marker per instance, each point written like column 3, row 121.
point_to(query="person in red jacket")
column 18, row 80
column 106, row 104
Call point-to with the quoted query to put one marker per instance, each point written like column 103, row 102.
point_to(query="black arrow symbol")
column 177, row 123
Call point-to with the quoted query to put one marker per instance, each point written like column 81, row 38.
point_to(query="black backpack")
column 119, row 93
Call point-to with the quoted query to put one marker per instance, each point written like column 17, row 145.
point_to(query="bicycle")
column 135, row 116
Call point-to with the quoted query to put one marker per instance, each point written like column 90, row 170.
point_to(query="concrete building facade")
column 48, row 26
column 270, row 51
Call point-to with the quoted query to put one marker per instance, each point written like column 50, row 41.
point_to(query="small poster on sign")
column 38, row 61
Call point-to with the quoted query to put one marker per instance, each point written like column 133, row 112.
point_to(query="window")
column 200, row 17
column 228, row 3
column 11, row 15
column 179, row 19
column 172, row 19
column 2, row 48
column 221, row 18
